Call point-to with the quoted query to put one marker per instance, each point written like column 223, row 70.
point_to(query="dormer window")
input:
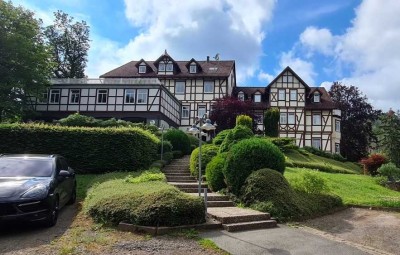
column 193, row 68
column 241, row 96
column 170, row 67
column 161, row 67
column 317, row 97
column 257, row 98
column 142, row 69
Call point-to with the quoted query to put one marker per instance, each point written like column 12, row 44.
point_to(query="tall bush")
column 250, row 155
column 271, row 120
column 220, row 137
column 390, row 171
column 244, row 120
column 89, row 150
column 238, row 133
column 214, row 174
column 179, row 140
column 372, row 163
column 208, row 151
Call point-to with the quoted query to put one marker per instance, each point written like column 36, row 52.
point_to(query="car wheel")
column 52, row 217
column 73, row 196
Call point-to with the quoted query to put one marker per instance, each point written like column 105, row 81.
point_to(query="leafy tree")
column 25, row 68
column 389, row 135
column 225, row 110
column 70, row 45
column 357, row 118
column 271, row 120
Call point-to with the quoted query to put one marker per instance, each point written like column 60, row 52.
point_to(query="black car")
column 34, row 187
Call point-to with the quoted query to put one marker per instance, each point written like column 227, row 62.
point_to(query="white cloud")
column 303, row 68
column 320, row 40
column 265, row 77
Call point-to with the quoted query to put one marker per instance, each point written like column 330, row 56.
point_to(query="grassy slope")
column 296, row 156
column 355, row 189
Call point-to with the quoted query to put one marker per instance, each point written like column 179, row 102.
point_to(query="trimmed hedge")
column 325, row 154
column 220, row 137
column 236, row 134
column 284, row 143
column 208, row 151
column 194, row 142
column 179, row 140
column 248, row 156
column 215, row 176
column 323, row 167
column 244, row 120
column 151, row 203
column 88, row 150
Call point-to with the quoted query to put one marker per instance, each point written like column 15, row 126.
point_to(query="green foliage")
column 372, row 163
column 179, row 140
column 147, row 176
column 208, row 151
column 248, row 156
column 168, row 156
column 220, row 137
column 167, row 147
column 310, row 182
column 271, row 120
column 25, row 66
column 194, row 142
column 244, row 120
column 390, row 171
column 389, row 136
column 70, row 45
column 323, row 167
column 89, row 150
column 284, row 143
column 236, row 134
column 324, row 154
column 151, row 203
column 177, row 154
column 214, row 174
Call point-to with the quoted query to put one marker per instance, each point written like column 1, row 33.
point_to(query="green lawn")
column 314, row 161
column 355, row 189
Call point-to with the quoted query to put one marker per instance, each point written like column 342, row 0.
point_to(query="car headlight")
column 36, row 192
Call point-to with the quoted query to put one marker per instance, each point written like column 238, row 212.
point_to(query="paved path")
column 282, row 240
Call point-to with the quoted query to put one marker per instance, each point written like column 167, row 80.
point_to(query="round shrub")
column 309, row 181
column 179, row 140
column 220, row 137
column 208, row 151
column 248, row 156
column 177, row 154
column 167, row 146
column 244, row 120
column 238, row 133
column 214, row 174
column 390, row 171
column 194, row 141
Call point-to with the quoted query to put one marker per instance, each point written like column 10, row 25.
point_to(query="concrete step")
column 176, row 172
column 213, row 196
column 219, row 203
column 249, row 225
column 228, row 215
column 188, row 185
column 178, row 165
column 193, row 190
column 185, row 179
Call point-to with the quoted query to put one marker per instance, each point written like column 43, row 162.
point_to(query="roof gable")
column 290, row 70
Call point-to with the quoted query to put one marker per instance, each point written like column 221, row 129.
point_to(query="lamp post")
column 196, row 130
column 162, row 140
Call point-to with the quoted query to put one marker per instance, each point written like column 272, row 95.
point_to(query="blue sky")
column 352, row 41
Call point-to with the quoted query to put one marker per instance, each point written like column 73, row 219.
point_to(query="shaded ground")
column 377, row 229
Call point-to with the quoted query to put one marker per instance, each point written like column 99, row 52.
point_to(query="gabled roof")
column 325, row 103
column 288, row 69
column 167, row 56
column 199, row 69
column 248, row 90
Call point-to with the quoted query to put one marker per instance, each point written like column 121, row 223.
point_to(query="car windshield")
column 25, row 167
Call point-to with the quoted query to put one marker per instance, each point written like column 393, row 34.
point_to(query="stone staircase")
column 219, row 206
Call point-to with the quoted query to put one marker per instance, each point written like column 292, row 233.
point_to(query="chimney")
column 208, row 59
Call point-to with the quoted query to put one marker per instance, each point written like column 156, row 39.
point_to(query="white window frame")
column 241, row 96
column 201, row 111
column 102, row 97
column 291, row 120
column 283, row 118
column 281, row 94
column 337, row 125
column 169, row 67
column 142, row 69
column 75, row 96
column 55, row 96
column 317, row 97
column 257, row 98
column 316, row 142
column 141, row 96
column 161, row 67
column 181, row 89
column 208, row 86
column 193, row 68
column 293, row 95
column 316, row 119
column 132, row 96
column 185, row 111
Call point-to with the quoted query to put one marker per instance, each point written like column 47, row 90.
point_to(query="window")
column 208, row 87
column 170, row 67
column 337, row 125
column 75, row 96
column 241, row 96
column 316, row 120
column 129, row 96
column 316, row 142
column 142, row 96
column 257, row 98
column 185, row 111
column 337, row 147
column 180, row 87
column 281, row 95
column 259, row 119
column 193, row 68
column 142, row 69
column 293, row 95
column 316, row 97
column 161, row 67
column 102, row 96
column 283, row 118
column 292, row 118
column 201, row 111
column 44, row 97
column 54, row 96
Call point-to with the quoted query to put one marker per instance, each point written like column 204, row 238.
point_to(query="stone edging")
column 377, row 208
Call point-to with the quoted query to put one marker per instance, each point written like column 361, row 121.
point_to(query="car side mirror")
column 64, row 173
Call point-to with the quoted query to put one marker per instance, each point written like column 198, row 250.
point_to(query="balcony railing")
column 94, row 81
